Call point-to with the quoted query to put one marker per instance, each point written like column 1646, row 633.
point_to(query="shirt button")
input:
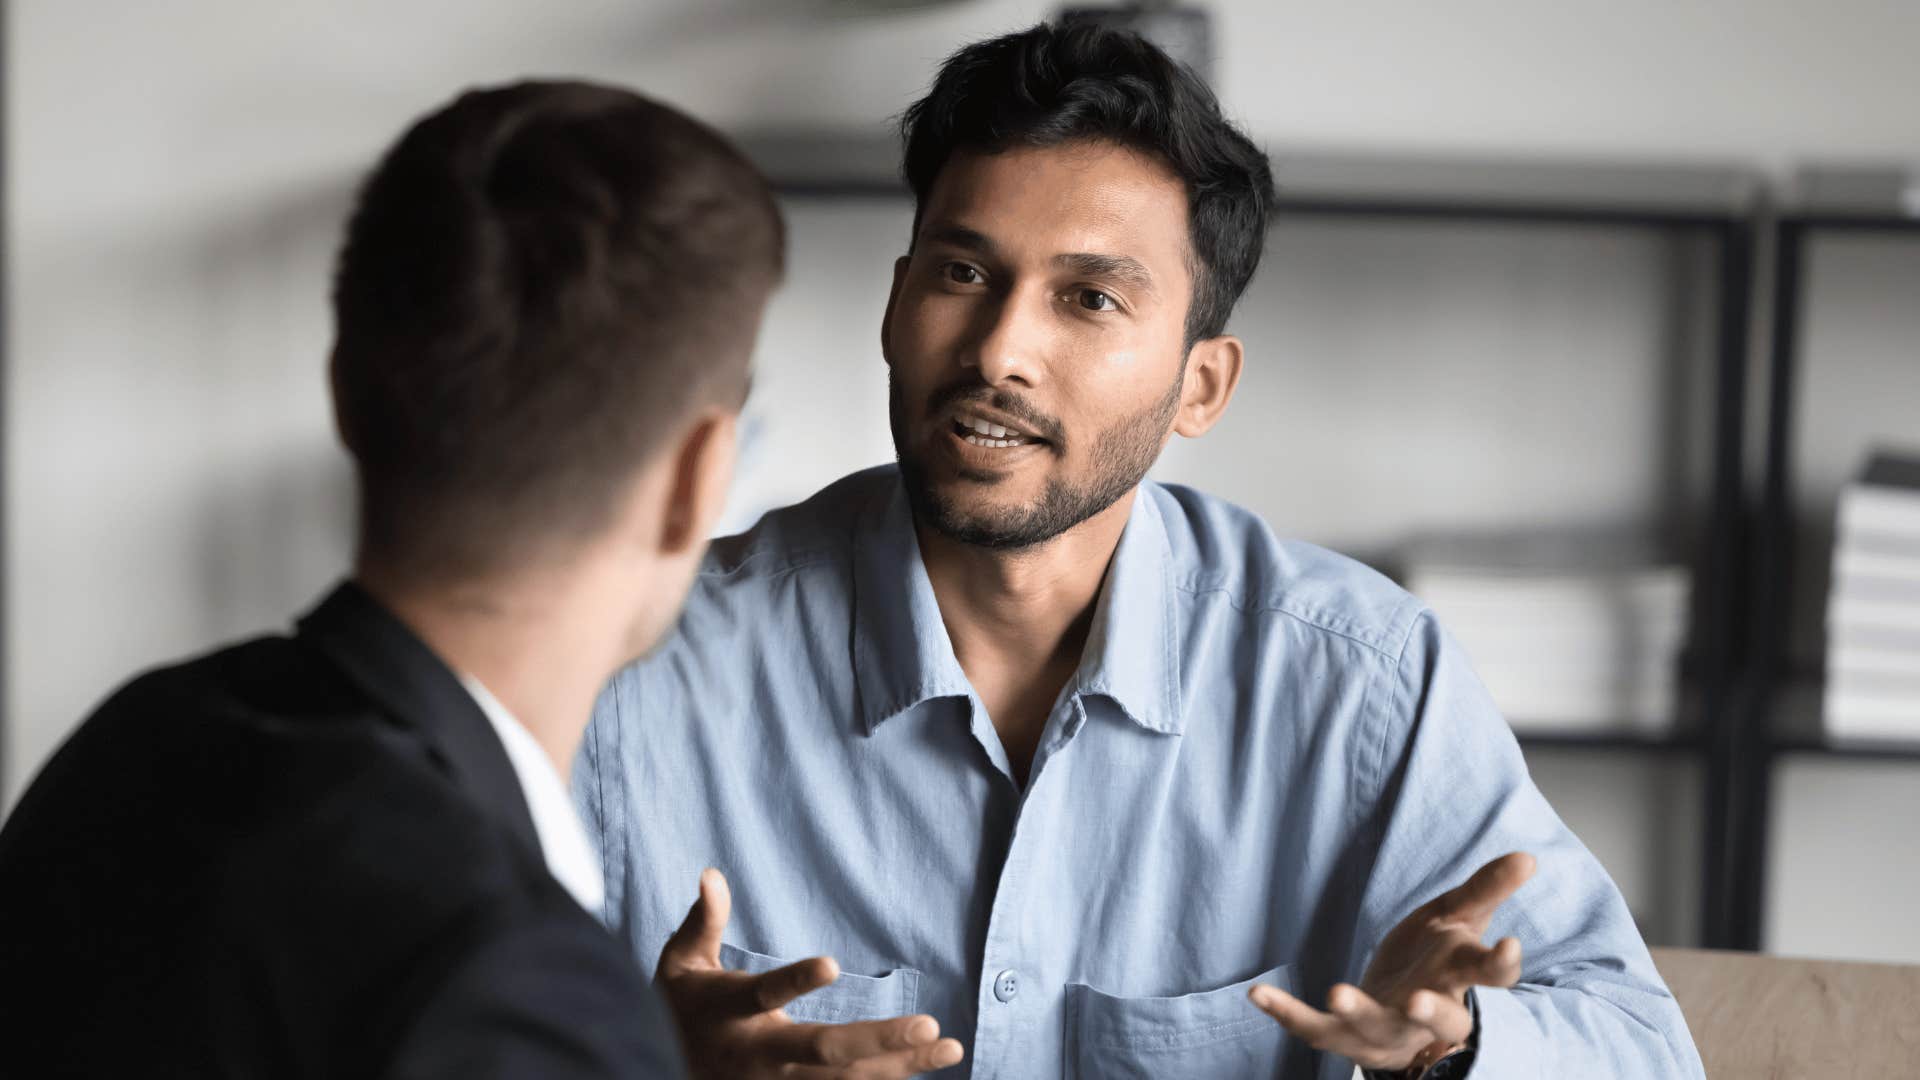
column 1006, row 985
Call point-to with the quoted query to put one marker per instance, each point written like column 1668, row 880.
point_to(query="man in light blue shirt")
column 1096, row 772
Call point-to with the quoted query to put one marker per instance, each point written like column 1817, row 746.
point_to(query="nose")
column 1011, row 341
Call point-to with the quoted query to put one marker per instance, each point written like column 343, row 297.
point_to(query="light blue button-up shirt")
column 1268, row 756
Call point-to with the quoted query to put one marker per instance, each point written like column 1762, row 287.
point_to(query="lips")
column 992, row 436
column 980, row 427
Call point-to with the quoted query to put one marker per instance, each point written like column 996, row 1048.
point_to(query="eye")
column 960, row 273
column 1095, row 300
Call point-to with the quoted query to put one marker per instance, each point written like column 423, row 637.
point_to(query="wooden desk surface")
column 1766, row 1016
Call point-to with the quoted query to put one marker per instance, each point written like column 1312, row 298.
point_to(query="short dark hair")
column 1056, row 83
column 540, row 284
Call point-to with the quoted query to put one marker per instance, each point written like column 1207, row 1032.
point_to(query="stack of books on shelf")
column 1571, row 633
column 1873, row 609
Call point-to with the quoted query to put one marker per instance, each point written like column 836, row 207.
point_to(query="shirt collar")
column 563, row 839
column 902, row 655
column 1133, row 654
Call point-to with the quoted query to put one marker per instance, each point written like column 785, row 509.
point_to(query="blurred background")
column 1583, row 319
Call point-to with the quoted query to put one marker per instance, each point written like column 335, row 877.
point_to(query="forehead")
column 1072, row 197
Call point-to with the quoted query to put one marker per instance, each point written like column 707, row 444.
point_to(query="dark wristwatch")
column 1452, row 1065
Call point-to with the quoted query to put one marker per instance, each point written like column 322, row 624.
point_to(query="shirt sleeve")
column 1454, row 794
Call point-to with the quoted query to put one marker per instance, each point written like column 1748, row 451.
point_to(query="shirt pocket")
column 851, row 998
column 1210, row 1034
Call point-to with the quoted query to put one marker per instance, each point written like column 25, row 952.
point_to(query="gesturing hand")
column 735, row 1027
column 1412, row 999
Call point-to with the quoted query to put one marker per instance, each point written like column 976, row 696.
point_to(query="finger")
column 1470, row 964
column 1488, row 888
column 1322, row 1031
column 773, row 989
column 1461, row 967
column 1501, row 964
column 1445, row 1016
column 1388, row 1031
column 897, row 1065
column 696, row 945
column 1295, row 1015
column 905, row 1063
column 844, row 1044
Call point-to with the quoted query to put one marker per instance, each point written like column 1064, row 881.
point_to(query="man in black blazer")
column 349, row 852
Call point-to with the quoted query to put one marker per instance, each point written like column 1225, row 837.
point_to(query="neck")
column 533, row 641
column 1031, row 608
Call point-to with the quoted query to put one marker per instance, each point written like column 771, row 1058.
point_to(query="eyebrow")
column 960, row 236
column 1121, row 269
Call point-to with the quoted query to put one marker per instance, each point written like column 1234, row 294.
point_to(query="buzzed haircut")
column 1058, row 83
column 541, row 283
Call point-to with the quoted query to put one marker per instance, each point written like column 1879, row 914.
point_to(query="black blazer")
column 302, row 857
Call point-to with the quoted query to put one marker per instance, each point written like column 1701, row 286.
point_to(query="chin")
column 990, row 503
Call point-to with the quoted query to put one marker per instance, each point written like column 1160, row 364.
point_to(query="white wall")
column 1842, row 869
column 179, row 171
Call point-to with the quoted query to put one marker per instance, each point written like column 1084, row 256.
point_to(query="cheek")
column 1123, row 387
column 926, row 320
column 1121, row 379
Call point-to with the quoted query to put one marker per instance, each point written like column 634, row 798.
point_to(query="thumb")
column 696, row 945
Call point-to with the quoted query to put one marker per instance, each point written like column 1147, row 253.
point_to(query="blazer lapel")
column 416, row 688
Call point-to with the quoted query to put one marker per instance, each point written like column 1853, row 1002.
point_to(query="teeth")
column 987, row 428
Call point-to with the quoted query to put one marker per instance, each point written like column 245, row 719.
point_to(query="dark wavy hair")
column 1057, row 83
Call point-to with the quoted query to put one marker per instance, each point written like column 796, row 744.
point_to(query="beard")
column 1121, row 456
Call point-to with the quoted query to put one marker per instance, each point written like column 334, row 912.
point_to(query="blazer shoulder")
column 268, row 679
column 547, row 993
column 264, row 839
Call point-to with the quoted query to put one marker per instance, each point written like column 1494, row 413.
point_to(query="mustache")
column 1033, row 419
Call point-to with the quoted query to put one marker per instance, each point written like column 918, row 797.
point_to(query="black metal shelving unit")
column 1685, row 742
column 1715, row 203
column 1784, row 718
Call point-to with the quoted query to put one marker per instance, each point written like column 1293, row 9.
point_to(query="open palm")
column 1411, row 1003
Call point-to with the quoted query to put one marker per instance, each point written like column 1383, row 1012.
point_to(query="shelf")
column 1859, row 749
column 1852, row 223
column 1797, row 724
column 1858, row 198
column 1568, row 191
column 846, row 164
column 1654, row 742
column 827, row 163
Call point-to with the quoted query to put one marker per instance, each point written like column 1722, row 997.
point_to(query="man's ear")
column 893, row 294
column 1213, row 370
column 701, row 474
column 341, row 425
